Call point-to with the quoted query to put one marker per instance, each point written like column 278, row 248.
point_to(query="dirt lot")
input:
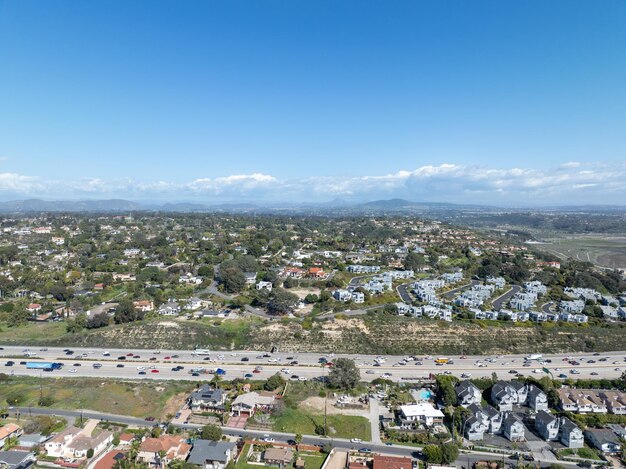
column 315, row 405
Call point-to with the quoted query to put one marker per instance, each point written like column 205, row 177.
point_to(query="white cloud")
column 568, row 183
column 12, row 182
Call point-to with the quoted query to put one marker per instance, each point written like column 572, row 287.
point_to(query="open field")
column 339, row 426
column 132, row 398
column 603, row 251
column 32, row 333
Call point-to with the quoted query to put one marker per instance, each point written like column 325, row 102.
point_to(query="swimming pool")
column 425, row 394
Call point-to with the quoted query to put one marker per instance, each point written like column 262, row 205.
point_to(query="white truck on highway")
column 534, row 356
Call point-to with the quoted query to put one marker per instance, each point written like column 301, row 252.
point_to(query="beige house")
column 163, row 450
column 75, row 443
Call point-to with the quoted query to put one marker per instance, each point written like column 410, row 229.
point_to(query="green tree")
column 449, row 453
column 344, row 374
column 274, row 382
column 126, row 312
column 232, row 278
column 211, row 432
column 433, row 454
column 281, row 301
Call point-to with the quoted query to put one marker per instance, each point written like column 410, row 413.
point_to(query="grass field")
column 339, row 426
column 604, row 251
column 31, row 333
column 133, row 398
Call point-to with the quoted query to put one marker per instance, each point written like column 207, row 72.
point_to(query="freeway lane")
column 308, row 364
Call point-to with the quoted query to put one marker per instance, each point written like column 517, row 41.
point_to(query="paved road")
column 404, row 293
column 307, row 366
column 465, row 459
column 450, row 295
column 546, row 307
column 505, row 298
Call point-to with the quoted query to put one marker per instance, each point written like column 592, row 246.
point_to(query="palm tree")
column 161, row 455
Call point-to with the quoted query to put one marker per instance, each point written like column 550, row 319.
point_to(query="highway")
column 241, row 364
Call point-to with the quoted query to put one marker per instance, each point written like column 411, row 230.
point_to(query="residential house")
column 74, row 442
column 483, row 420
column 280, row 457
column 250, row 402
column 206, row 398
column 571, row 435
column 170, row 446
column 171, row 308
column 603, row 439
column 503, row 396
column 615, row 401
column 467, row 393
column 9, row 430
column 264, row 286
column 513, row 429
column 17, row 459
column 143, row 305
column 250, row 278
column 420, row 414
column 391, row 462
column 212, row 454
column 193, row 303
column 316, row 272
column 537, row 399
column 547, row 425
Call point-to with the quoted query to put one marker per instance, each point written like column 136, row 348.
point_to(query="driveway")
column 375, row 421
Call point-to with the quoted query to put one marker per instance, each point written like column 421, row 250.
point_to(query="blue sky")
column 504, row 102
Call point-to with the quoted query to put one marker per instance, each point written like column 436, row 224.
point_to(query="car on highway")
column 369, row 372
column 141, row 368
column 167, row 358
column 574, row 372
column 365, row 450
column 245, row 359
column 512, row 372
column 130, row 354
column 22, row 363
column 142, row 372
column 466, row 375
column 256, row 371
column 195, row 374
column 175, row 356
column 175, row 368
column 248, row 375
column 9, row 363
column 73, row 370
column 122, row 357
column 120, row 365
column 97, row 365
column 77, row 364
column 153, row 359
column 154, row 371
column 593, row 373
column 563, row 376
column 295, row 377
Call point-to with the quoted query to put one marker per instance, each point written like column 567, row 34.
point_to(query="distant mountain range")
column 336, row 207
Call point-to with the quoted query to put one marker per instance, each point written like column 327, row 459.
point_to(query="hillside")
column 389, row 335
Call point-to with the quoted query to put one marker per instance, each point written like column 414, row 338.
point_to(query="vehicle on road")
column 356, row 440
column 73, row 370
column 120, row 365
column 97, row 365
